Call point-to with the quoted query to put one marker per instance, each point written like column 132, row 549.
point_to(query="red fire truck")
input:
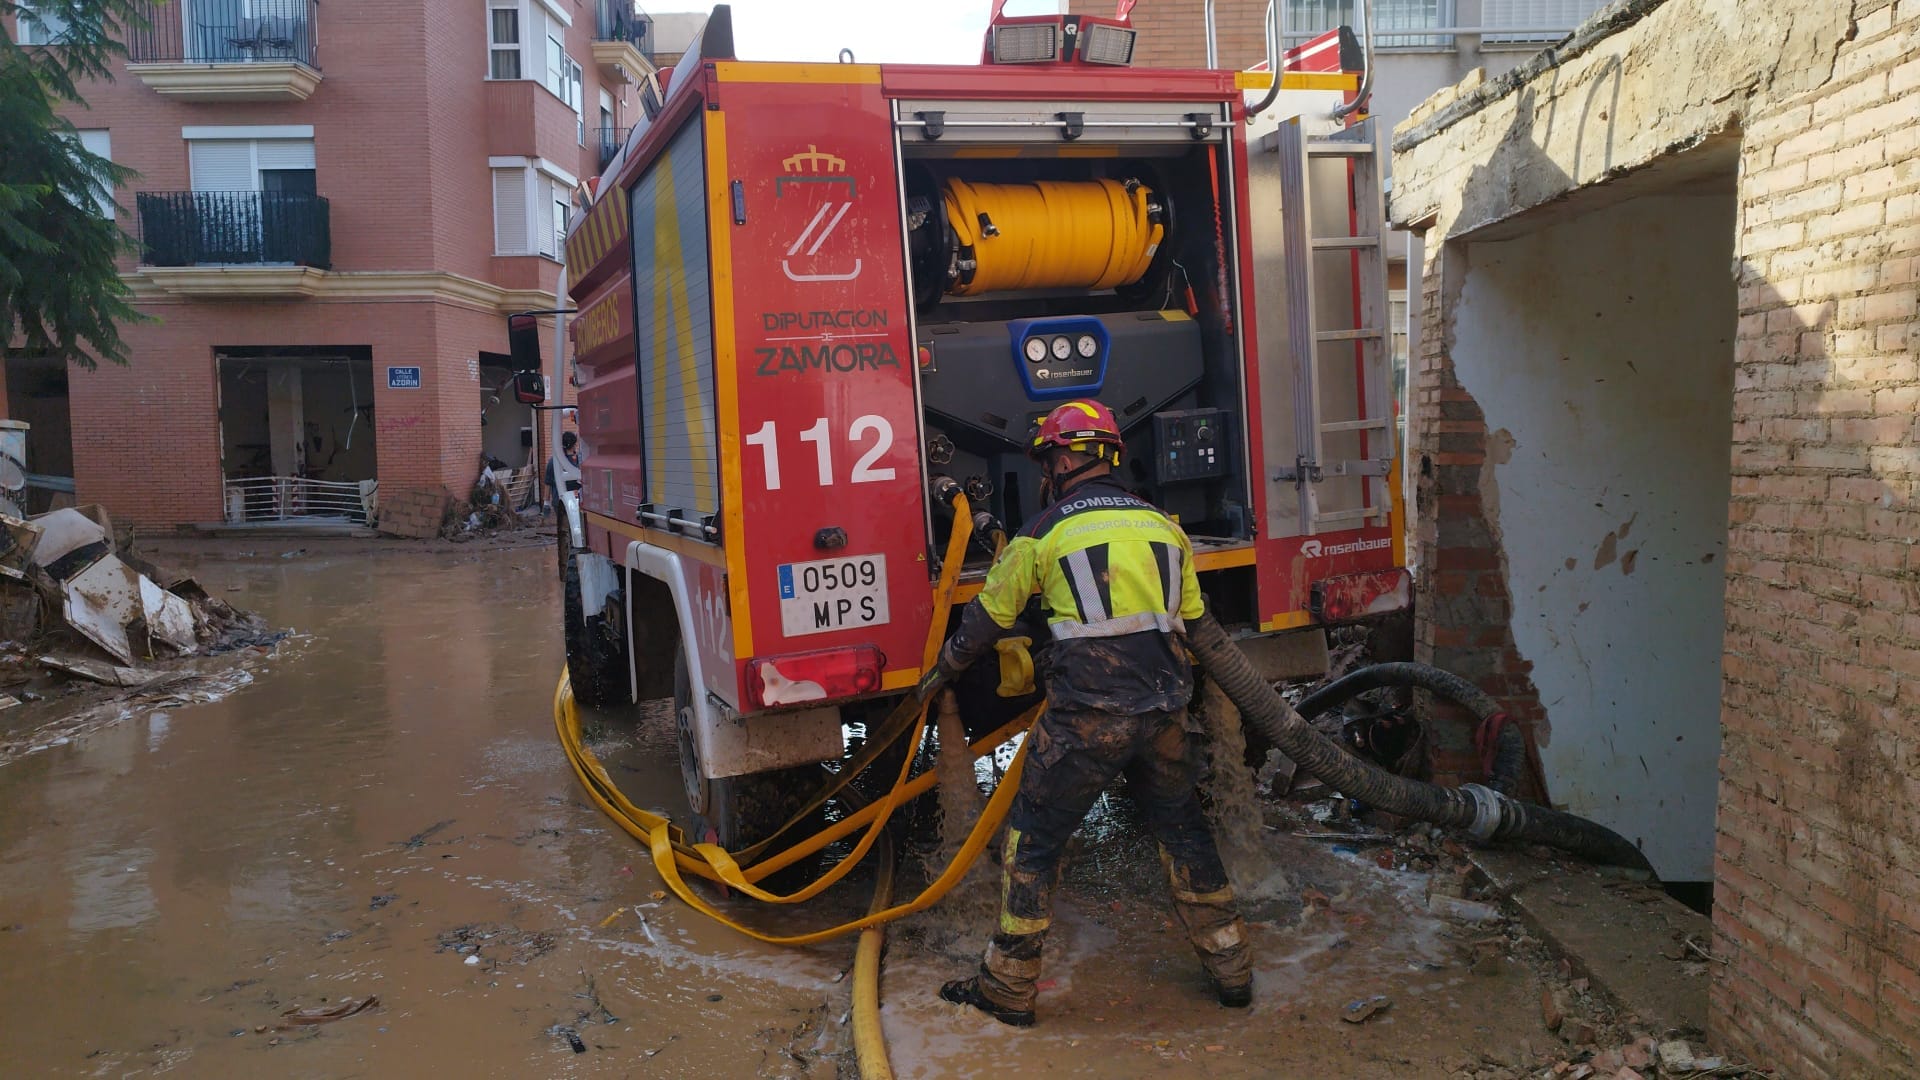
column 812, row 301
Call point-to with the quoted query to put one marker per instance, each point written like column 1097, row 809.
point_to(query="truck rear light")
column 1031, row 43
column 1103, row 44
column 1356, row 596
column 824, row 675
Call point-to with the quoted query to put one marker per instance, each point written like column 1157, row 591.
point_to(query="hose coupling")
column 1489, row 812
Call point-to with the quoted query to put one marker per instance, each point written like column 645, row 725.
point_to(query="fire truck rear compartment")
column 1157, row 346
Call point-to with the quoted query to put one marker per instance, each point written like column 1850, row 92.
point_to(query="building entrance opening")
column 37, row 396
column 297, row 434
column 1597, row 338
column 509, row 433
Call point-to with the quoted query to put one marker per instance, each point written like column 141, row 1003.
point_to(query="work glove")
column 944, row 672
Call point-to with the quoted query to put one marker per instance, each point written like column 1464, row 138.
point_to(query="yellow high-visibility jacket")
column 1115, row 577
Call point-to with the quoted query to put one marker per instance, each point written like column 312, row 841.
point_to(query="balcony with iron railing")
column 622, row 41
column 228, row 50
column 610, row 140
column 1427, row 25
column 234, row 243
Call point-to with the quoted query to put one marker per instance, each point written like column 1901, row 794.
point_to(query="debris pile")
column 72, row 603
column 502, row 499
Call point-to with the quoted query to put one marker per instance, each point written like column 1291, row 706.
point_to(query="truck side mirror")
column 529, row 388
column 523, row 343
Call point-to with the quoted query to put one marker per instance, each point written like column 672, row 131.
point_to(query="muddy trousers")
column 1071, row 758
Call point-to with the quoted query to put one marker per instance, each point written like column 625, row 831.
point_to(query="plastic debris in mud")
column 1359, row 1012
column 297, row 1017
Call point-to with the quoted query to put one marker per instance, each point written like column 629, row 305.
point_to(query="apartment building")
column 336, row 205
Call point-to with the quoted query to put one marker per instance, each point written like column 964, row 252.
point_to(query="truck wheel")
column 596, row 647
column 699, row 788
column 736, row 811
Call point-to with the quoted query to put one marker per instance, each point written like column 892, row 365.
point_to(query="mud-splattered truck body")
column 792, row 324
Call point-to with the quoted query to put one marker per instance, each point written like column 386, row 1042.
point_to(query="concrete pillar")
column 286, row 420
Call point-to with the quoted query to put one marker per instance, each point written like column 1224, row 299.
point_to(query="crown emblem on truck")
column 814, row 161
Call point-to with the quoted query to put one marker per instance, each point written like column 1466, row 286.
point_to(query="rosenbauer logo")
column 1314, row 549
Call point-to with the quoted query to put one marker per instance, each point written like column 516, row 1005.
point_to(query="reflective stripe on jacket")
column 1116, row 578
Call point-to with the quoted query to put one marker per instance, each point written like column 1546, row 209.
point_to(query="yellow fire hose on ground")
column 672, row 855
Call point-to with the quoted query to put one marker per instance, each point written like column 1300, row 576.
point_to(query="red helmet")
column 1080, row 426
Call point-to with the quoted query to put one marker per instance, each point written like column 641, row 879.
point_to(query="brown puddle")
column 388, row 801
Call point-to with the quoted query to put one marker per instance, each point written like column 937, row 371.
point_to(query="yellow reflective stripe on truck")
column 726, row 380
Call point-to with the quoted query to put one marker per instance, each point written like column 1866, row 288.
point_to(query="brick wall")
column 401, row 133
column 1466, row 609
column 1173, row 32
column 1817, row 884
column 1818, row 897
column 147, row 436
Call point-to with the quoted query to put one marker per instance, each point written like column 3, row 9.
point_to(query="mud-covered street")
column 384, row 812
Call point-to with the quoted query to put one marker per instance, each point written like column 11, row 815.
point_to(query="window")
column 97, row 143
column 40, row 27
column 557, row 194
column 510, row 211
column 564, row 76
column 1392, row 18
column 503, row 40
column 241, row 163
column 1548, row 20
column 43, row 27
column 530, row 208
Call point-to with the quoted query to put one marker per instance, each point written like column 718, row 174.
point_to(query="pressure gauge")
column 1086, row 346
column 1062, row 347
column 1036, row 350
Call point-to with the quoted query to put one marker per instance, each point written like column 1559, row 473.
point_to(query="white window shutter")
column 510, row 224
column 285, row 153
column 222, row 165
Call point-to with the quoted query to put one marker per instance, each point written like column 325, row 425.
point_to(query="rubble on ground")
column 1588, row 1035
column 79, row 609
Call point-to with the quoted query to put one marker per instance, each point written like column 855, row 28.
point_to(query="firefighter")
column 1116, row 577
column 570, row 446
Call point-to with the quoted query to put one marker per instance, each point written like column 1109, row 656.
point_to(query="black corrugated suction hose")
column 1486, row 814
column 1509, row 747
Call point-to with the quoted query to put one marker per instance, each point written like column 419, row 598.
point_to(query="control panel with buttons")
column 1190, row 444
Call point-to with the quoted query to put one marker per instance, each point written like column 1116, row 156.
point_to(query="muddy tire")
column 737, row 811
column 596, row 647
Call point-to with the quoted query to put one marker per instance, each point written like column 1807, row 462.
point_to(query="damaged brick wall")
column 1818, row 892
column 1817, row 884
column 1465, row 610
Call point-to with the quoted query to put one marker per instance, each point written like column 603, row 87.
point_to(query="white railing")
column 268, row 499
column 517, row 485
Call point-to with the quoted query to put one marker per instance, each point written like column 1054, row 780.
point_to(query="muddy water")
column 383, row 797
column 1233, row 808
column 385, row 802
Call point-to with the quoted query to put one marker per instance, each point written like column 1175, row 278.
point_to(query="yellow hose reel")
column 1047, row 234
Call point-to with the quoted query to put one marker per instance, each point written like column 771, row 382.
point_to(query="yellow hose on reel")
column 1052, row 234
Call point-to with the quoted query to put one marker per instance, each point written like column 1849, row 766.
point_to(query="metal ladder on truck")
column 1334, row 221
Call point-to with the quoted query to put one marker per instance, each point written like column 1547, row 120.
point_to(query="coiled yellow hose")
column 1052, row 234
